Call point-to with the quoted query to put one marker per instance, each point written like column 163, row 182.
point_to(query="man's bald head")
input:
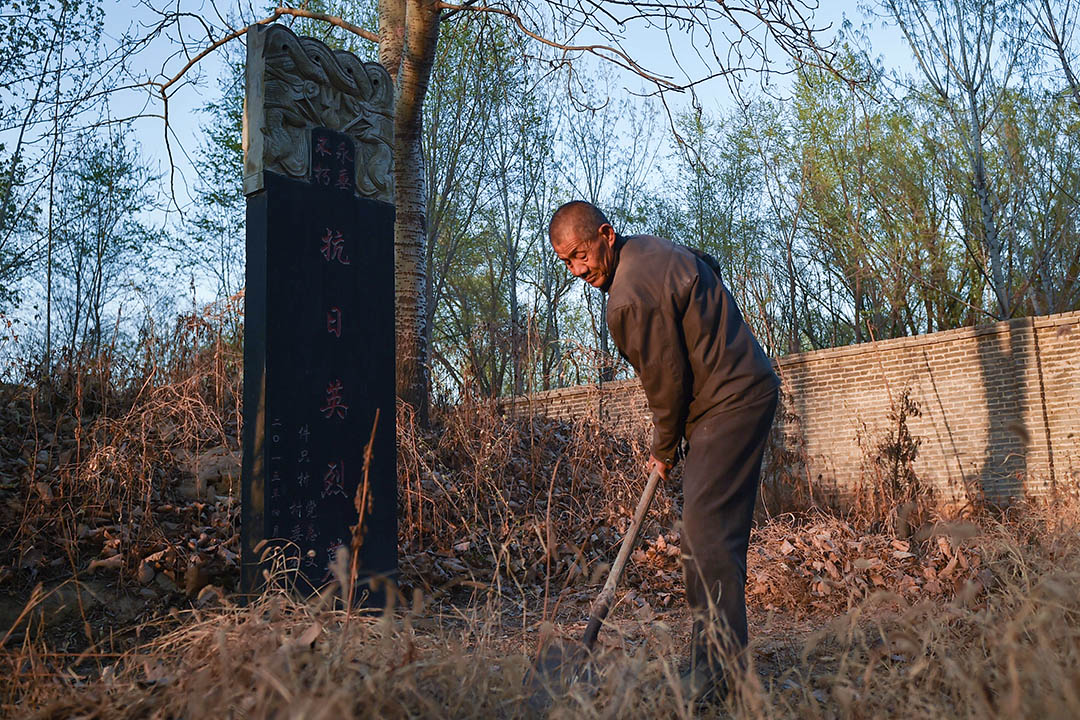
column 581, row 217
column 585, row 241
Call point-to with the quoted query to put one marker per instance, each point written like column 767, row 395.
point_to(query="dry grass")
column 97, row 441
column 1007, row 644
column 526, row 504
column 506, row 527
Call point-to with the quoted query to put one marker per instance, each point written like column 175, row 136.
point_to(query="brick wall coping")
column 926, row 339
column 570, row 390
column 935, row 338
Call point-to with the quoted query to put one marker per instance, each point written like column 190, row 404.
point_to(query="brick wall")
column 1000, row 407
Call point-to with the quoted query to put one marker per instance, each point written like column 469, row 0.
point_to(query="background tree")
column 840, row 210
column 521, row 147
column 407, row 37
column 1055, row 20
column 610, row 148
column 101, row 242
column 51, row 72
column 1044, row 182
column 213, row 241
column 967, row 57
column 459, row 104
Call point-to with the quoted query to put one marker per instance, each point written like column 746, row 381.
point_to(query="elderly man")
column 706, row 379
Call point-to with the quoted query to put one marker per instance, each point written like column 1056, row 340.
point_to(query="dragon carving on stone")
column 296, row 83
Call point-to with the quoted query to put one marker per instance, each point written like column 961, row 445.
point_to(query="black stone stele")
column 318, row 363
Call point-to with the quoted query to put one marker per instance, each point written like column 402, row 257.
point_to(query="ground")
column 118, row 580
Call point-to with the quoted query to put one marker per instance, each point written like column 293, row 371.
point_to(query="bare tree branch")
column 606, row 52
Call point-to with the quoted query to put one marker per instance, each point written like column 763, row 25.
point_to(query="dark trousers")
column 720, row 484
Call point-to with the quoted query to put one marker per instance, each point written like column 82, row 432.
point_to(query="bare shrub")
column 890, row 493
column 518, row 500
column 103, row 442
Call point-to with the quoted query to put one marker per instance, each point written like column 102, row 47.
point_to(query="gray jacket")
column 672, row 318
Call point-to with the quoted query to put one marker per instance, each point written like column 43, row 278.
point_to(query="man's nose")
column 579, row 269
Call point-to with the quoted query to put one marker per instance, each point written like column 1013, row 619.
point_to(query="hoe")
column 563, row 662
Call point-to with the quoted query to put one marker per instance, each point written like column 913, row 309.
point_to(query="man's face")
column 589, row 257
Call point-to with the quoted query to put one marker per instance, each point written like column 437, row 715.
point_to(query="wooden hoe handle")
column 604, row 600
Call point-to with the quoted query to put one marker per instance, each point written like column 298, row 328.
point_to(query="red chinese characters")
column 343, row 181
column 344, row 152
column 334, row 479
column 333, row 247
column 333, row 160
column 334, row 404
column 333, row 321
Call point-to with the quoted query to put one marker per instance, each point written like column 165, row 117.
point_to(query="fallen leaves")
column 113, row 562
column 824, row 564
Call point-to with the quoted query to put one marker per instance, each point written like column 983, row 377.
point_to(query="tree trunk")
column 858, row 295
column 409, row 32
column 78, row 307
column 794, row 345
column 515, row 335
column 986, row 209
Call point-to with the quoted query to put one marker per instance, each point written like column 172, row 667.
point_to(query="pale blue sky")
column 123, row 16
column 651, row 50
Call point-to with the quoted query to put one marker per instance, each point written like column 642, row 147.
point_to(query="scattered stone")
column 209, row 596
column 213, row 466
column 164, row 582
column 32, row 558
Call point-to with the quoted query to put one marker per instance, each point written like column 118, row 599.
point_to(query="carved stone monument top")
column 297, row 83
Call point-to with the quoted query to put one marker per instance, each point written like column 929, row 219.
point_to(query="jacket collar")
column 620, row 240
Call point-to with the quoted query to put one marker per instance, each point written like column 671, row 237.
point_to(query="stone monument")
column 319, row 310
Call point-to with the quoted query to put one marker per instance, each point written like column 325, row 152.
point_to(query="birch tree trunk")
column 968, row 66
column 408, row 35
column 987, row 206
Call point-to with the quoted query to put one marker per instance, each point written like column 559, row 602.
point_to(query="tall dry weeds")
column 508, row 499
column 105, row 443
column 1007, row 645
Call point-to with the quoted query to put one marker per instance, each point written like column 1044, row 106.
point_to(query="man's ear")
column 608, row 233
